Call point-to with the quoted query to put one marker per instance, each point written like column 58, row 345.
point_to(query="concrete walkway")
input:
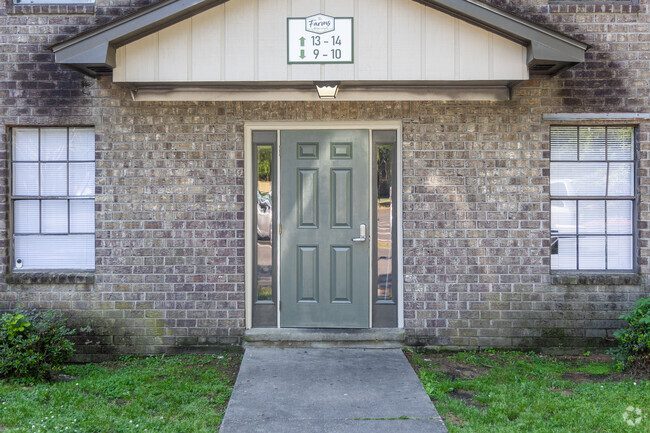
column 329, row 390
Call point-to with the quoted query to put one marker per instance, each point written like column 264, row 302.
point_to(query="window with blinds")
column 592, row 183
column 53, row 198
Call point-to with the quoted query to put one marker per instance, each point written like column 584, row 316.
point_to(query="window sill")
column 50, row 277
column 596, row 279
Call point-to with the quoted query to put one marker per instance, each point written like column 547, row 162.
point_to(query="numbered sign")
column 320, row 39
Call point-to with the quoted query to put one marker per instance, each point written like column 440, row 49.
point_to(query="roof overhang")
column 94, row 52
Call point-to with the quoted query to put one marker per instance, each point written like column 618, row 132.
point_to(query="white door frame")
column 250, row 230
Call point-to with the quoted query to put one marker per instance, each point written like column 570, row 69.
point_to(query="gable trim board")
column 169, row 26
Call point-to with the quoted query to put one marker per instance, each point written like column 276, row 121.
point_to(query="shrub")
column 33, row 344
column 634, row 340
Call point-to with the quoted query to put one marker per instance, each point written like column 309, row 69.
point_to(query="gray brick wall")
column 169, row 194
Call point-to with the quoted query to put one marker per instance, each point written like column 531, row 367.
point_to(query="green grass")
column 519, row 392
column 156, row 394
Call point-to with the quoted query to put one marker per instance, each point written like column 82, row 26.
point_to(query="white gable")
column 395, row 42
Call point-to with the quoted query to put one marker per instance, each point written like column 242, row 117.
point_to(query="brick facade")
column 169, row 193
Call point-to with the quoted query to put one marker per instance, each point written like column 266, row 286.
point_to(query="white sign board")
column 320, row 39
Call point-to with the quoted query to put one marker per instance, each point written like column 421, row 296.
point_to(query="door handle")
column 362, row 234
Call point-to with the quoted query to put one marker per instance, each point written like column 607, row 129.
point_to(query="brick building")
column 172, row 177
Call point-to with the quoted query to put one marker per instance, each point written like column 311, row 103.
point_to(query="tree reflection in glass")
column 264, row 223
column 384, row 223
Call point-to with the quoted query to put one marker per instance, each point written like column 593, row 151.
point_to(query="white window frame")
column 633, row 199
column 17, row 263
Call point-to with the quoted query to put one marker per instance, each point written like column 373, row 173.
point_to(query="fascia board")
column 102, row 54
column 541, row 52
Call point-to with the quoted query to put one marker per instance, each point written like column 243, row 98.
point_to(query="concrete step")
column 384, row 338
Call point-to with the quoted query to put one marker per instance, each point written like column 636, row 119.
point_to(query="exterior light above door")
column 327, row 90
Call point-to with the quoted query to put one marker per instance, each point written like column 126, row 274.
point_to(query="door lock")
column 362, row 234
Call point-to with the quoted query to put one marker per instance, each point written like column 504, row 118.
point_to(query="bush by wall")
column 633, row 349
column 33, row 344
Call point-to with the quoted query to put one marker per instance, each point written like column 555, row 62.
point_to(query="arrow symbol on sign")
column 302, row 54
column 302, row 42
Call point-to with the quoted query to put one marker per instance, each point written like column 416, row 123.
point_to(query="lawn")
column 495, row 392
column 175, row 394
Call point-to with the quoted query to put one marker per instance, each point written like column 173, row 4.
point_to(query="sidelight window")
column 264, row 219
column 264, row 194
column 385, row 234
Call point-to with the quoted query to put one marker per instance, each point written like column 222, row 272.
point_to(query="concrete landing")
column 328, row 390
column 325, row 338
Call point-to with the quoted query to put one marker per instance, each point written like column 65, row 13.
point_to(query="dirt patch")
column 453, row 419
column 231, row 369
column 467, row 396
column 228, row 363
column 454, row 369
column 579, row 360
column 582, row 377
column 449, row 367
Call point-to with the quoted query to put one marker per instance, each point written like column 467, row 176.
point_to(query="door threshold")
column 377, row 338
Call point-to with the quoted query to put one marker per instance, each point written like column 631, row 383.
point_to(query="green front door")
column 325, row 216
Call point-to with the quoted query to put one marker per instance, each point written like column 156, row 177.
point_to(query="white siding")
column 508, row 58
column 371, row 57
column 207, row 31
column 272, row 25
column 473, row 52
column 406, row 40
column 441, row 44
column 141, row 59
column 241, row 41
column 174, row 52
column 394, row 40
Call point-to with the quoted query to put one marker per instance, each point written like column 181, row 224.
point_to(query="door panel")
column 341, row 265
column 307, row 198
column 324, row 199
column 307, row 274
column 341, row 196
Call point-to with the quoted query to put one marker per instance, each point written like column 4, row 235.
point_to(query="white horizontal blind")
column 53, row 198
column 592, row 198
